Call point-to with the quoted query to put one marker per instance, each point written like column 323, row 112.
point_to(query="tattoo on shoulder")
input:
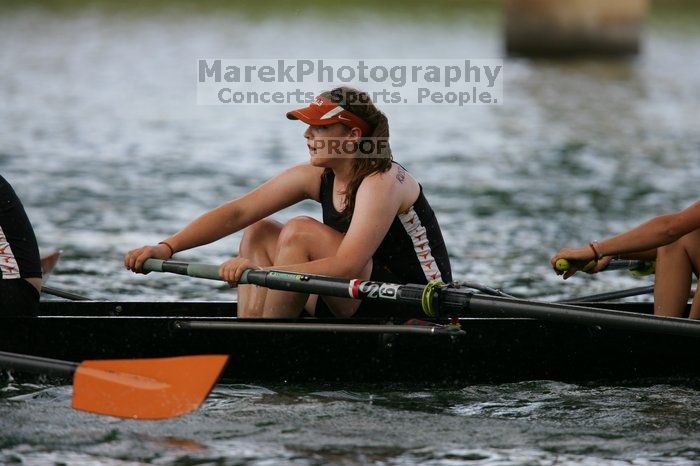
column 401, row 174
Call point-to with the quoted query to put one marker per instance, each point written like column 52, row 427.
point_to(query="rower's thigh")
column 347, row 307
column 315, row 238
column 320, row 241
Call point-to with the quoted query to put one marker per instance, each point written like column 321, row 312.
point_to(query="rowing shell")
column 486, row 350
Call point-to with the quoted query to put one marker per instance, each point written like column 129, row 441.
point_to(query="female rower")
column 673, row 240
column 377, row 223
column 20, row 266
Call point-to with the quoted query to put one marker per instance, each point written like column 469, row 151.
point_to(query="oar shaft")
column 36, row 364
column 410, row 295
column 642, row 267
column 63, row 294
column 611, row 295
column 626, row 264
column 569, row 314
column 442, row 301
column 295, row 327
column 207, row 271
column 292, row 281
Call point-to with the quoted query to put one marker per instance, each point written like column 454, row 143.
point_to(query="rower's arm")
column 659, row 231
column 289, row 187
column 376, row 205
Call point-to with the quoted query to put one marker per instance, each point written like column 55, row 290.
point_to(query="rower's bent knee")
column 297, row 230
column 258, row 233
column 259, row 229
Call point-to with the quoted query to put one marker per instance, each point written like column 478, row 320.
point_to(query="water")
column 512, row 424
column 100, row 137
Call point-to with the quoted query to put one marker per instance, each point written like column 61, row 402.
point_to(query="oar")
column 439, row 300
column 131, row 388
column 63, row 294
column 48, row 264
column 611, row 295
column 299, row 327
column 636, row 267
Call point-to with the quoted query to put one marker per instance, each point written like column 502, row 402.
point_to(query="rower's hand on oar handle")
column 135, row 258
column 563, row 265
column 232, row 270
column 568, row 261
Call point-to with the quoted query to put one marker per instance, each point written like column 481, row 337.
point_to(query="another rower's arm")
column 657, row 232
column 639, row 243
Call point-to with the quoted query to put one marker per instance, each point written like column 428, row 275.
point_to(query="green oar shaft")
column 442, row 301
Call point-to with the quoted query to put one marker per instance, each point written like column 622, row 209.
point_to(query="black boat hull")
column 490, row 349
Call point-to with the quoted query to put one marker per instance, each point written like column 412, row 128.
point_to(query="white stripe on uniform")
column 8, row 263
column 416, row 231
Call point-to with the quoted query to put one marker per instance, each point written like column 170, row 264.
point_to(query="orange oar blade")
column 146, row 388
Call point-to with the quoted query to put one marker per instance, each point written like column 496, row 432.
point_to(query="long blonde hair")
column 375, row 151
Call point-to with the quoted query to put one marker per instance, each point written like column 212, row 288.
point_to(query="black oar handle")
column 36, row 364
column 642, row 267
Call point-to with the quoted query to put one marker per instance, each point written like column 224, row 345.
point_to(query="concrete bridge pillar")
column 574, row 27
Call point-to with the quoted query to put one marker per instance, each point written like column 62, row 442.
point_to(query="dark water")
column 513, row 424
column 101, row 137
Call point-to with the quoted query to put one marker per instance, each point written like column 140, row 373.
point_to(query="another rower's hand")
column 232, row 269
column 578, row 259
column 600, row 265
column 136, row 257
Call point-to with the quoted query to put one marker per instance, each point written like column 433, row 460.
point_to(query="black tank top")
column 413, row 248
column 19, row 254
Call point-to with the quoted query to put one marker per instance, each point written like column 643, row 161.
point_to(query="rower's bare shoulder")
column 309, row 176
column 395, row 182
column 405, row 184
column 396, row 175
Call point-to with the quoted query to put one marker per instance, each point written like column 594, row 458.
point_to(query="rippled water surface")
column 512, row 424
column 101, row 138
